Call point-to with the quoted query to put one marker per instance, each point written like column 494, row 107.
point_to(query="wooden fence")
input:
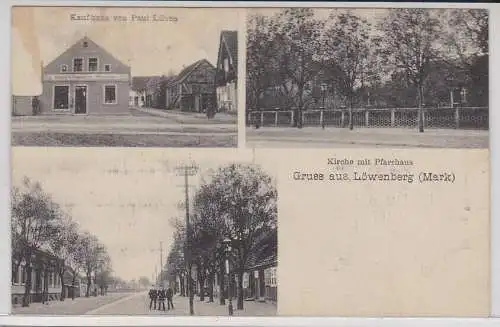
column 456, row 118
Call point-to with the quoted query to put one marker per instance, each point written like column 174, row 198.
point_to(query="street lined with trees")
column 231, row 212
column 39, row 224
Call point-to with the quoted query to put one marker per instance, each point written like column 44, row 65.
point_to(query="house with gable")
column 85, row 79
column 227, row 72
column 138, row 91
column 193, row 89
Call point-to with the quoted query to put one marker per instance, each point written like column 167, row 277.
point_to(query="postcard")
column 360, row 187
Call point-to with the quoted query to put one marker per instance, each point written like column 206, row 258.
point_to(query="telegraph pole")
column 161, row 262
column 187, row 171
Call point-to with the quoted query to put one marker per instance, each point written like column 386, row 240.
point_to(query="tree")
column 240, row 203
column 75, row 262
column 34, row 218
column 175, row 261
column 468, row 50
column 298, row 34
column 347, row 47
column 90, row 255
column 144, row 282
column 63, row 246
column 261, row 48
column 408, row 44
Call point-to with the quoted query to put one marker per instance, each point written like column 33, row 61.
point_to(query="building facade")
column 227, row 72
column 138, row 91
column 260, row 280
column 85, row 79
column 193, row 89
column 45, row 281
column 156, row 89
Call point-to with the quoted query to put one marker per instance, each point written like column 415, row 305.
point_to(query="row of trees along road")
column 38, row 223
column 238, row 202
column 407, row 57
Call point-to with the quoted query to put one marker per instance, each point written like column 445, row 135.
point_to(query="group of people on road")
column 157, row 298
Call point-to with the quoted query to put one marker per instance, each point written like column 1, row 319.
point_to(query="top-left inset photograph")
column 124, row 77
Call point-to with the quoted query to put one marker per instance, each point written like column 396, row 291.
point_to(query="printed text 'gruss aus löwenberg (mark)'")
column 383, row 170
column 133, row 18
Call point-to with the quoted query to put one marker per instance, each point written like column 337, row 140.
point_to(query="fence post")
column 457, row 117
column 262, row 118
column 367, row 118
column 276, row 118
column 321, row 122
column 291, row 120
column 393, row 117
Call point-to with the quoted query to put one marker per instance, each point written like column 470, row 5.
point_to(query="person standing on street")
column 170, row 295
column 161, row 299
column 152, row 298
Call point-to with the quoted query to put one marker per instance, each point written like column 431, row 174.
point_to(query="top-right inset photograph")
column 367, row 77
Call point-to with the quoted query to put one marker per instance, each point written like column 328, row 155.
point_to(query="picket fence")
column 443, row 117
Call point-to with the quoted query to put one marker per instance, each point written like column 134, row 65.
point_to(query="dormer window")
column 64, row 68
column 107, row 68
column 85, row 44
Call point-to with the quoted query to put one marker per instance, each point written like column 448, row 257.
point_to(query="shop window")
column 110, row 94
column 61, row 97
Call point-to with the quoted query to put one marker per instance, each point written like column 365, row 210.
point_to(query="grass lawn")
column 122, row 140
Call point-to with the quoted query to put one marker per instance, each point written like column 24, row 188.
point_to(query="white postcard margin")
column 279, row 321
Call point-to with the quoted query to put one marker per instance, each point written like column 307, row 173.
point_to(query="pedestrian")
column 161, row 299
column 35, row 105
column 170, row 295
column 152, row 298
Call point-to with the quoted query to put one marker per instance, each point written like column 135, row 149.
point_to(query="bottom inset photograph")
column 101, row 233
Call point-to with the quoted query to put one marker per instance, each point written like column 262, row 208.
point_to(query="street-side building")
column 193, row 89
column 22, row 105
column 156, row 89
column 138, row 91
column 227, row 72
column 85, row 79
column 45, row 281
column 68, row 287
column 260, row 278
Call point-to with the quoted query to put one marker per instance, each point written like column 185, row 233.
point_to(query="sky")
column 126, row 198
column 150, row 48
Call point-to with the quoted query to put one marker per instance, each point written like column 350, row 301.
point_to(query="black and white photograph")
column 199, row 238
column 129, row 77
column 367, row 77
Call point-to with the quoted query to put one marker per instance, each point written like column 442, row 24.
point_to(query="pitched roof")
column 265, row 253
column 230, row 39
column 155, row 81
column 86, row 39
column 139, row 83
column 189, row 69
